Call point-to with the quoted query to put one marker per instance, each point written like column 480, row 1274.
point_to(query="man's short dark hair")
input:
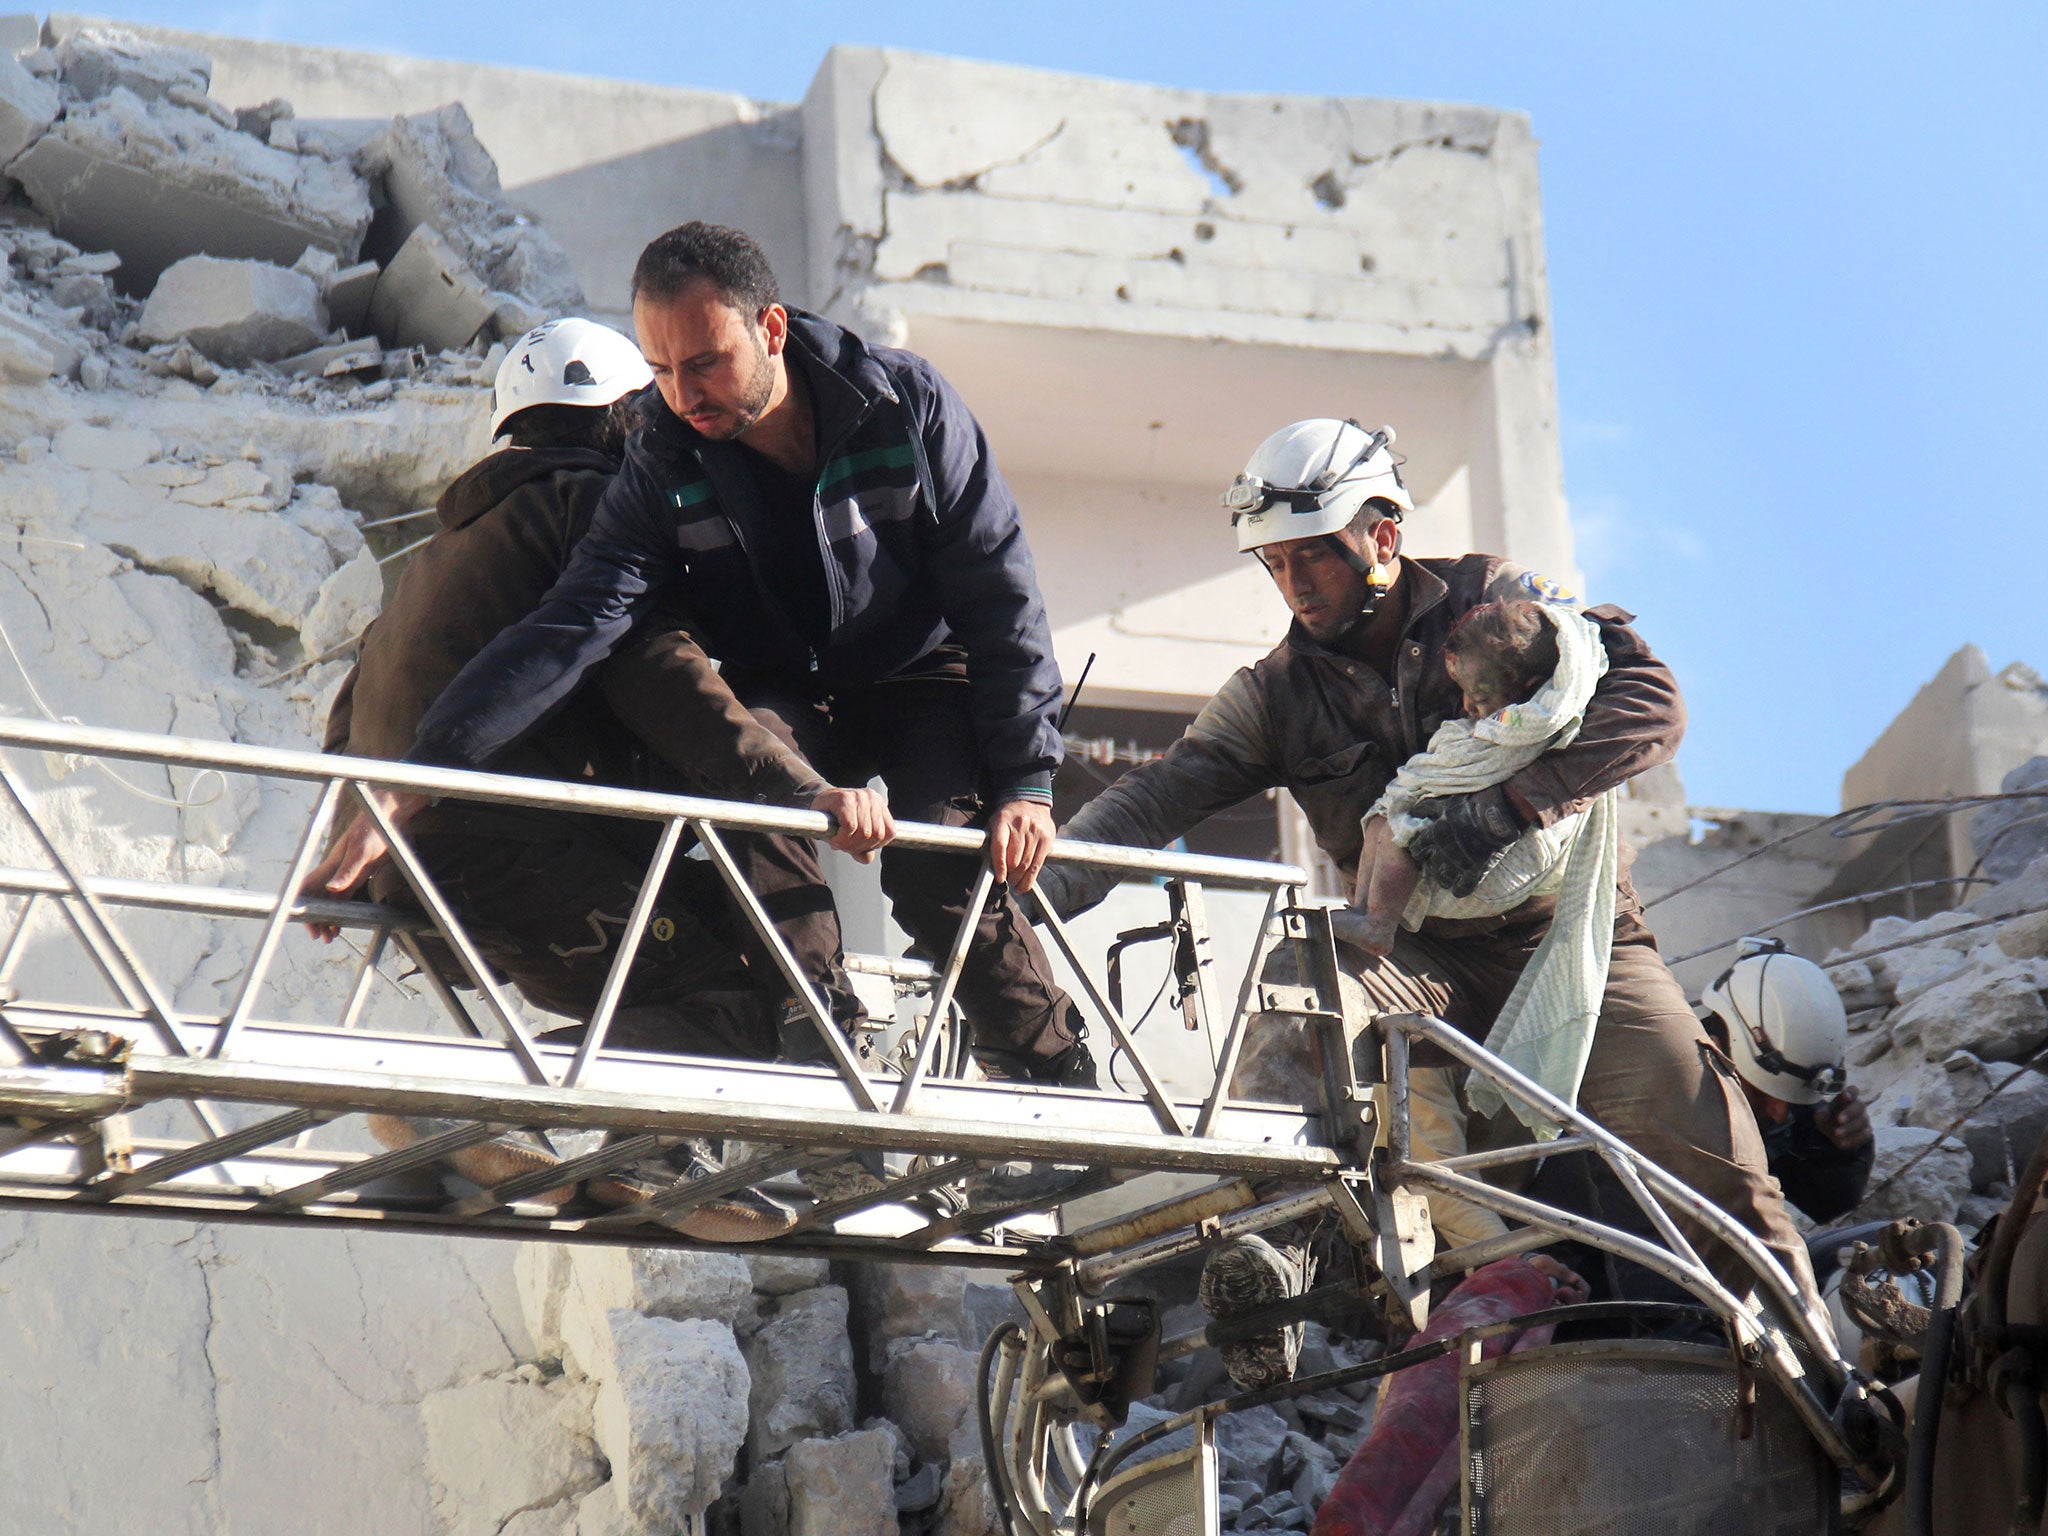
column 728, row 259
column 600, row 428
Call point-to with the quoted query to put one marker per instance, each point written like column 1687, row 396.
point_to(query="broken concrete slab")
column 435, row 172
column 97, row 60
column 31, row 351
column 236, row 312
column 155, row 183
column 20, row 31
column 428, row 296
column 336, row 359
column 27, row 108
column 348, row 292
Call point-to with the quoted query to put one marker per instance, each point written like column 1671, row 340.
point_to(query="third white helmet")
column 566, row 362
column 1311, row 478
column 1787, row 1029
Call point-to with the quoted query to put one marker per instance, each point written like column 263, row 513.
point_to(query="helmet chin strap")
column 1375, row 588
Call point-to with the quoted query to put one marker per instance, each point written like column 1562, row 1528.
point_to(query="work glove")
column 1465, row 837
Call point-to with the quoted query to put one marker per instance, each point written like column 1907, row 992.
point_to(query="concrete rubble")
column 1947, row 1026
column 190, row 237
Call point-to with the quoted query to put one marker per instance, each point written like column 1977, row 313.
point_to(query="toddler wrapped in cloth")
column 1527, row 671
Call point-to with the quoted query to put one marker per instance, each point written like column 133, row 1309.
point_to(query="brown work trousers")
column 1654, row 1078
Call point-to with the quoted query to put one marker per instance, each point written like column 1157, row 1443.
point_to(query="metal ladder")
column 114, row 1101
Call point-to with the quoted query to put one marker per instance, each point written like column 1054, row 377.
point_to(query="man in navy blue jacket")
column 827, row 521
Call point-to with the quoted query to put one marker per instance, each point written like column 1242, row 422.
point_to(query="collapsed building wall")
column 232, row 330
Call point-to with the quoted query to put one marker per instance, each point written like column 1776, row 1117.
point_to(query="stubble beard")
column 752, row 404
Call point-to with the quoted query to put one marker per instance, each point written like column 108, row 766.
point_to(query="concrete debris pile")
column 1947, row 1034
column 784, row 1397
column 154, row 232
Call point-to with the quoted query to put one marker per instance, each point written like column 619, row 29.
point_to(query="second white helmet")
column 1787, row 1030
column 566, row 362
column 1311, row 478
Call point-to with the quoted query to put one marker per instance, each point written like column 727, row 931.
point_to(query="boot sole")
column 1240, row 1278
column 715, row 1221
column 487, row 1165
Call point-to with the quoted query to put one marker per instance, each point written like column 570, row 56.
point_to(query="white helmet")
column 1787, row 1029
column 566, row 362
column 1310, row 479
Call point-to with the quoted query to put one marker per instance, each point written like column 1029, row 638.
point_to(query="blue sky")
column 1796, row 258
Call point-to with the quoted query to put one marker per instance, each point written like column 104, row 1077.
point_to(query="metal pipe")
column 1458, row 1261
column 544, row 794
column 1501, row 1157
column 999, row 1341
column 1813, row 1325
column 1693, row 1276
column 1785, row 1368
column 1165, row 1216
column 1398, row 1124
column 1095, row 1275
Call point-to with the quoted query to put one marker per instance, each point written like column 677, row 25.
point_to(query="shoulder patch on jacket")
column 1544, row 590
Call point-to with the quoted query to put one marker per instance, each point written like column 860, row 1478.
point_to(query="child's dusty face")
column 1480, row 701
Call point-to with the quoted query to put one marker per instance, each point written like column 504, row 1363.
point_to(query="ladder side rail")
column 548, row 794
column 986, row 1136
column 209, row 900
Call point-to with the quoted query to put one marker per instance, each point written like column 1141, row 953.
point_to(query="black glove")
column 1466, row 837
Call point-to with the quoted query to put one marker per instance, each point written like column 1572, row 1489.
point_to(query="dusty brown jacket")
column 1331, row 731
column 507, row 526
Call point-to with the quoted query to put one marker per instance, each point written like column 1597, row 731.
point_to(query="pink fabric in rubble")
column 1397, row 1481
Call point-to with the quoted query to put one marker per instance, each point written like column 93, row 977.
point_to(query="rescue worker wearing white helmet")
column 1782, row 1023
column 543, row 893
column 1358, row 686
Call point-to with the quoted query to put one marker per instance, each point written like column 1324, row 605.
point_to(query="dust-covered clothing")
column 547, row 892
column 1330, row 729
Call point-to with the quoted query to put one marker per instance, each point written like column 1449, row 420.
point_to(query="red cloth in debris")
column 1399, row 1478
